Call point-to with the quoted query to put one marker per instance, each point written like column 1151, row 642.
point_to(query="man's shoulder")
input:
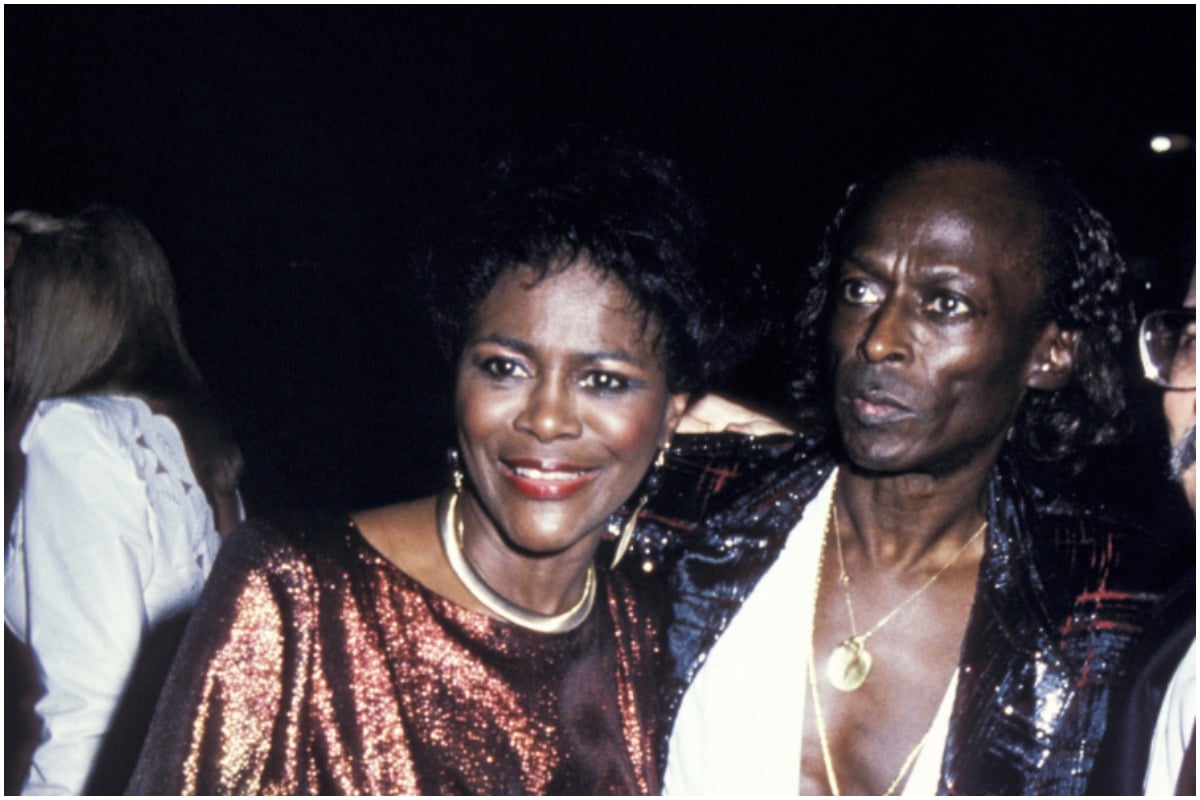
column 729, row 493
column 1089, row 575
column 1100, row 576
column 706, row 474
column 1098, row 547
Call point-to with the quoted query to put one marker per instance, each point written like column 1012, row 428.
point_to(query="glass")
column 1167, row 342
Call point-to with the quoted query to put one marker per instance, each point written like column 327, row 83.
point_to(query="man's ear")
column 1053, row 359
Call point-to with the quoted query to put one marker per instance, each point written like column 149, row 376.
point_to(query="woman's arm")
column 84, row 559
column 715, row 413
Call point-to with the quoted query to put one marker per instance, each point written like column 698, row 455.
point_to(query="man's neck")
column 902, row 521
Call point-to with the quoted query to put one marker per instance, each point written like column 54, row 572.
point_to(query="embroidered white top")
column 111, row 535
column 735, row 736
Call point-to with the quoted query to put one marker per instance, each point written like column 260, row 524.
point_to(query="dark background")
column 286, row 158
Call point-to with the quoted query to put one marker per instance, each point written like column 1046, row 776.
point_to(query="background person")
column 476, row 642
column 1151, row 745
column 21, row 690
column 128, row 478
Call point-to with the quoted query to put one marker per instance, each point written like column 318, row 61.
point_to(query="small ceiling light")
column 1170, row 142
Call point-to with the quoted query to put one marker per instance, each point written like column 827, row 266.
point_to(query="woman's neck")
column 542, row 583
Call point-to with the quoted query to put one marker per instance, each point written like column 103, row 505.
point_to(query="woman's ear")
column 1052, row 360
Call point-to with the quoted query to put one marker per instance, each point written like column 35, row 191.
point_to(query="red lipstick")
column 545, row 480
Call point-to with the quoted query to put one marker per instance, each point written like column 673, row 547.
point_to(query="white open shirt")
column 741, row 724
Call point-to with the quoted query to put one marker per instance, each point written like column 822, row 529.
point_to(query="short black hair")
column 617, row 208
column 1087, row 289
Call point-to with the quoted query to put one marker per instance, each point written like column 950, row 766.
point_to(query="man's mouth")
column 875, row 407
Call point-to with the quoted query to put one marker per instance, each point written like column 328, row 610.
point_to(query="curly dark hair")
column 624, row 213
column 1088, row 290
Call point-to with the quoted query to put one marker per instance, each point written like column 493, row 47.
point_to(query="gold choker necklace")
column 450, row 527
column 850, row 662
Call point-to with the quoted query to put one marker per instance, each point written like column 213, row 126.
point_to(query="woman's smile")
column 545, row 480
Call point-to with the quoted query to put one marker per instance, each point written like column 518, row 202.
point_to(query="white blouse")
column 111, row 535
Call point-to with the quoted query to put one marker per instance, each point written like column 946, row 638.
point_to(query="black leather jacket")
column 1063, row 592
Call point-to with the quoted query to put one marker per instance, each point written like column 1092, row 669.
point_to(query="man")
column 927, row 614
column 1151, row 743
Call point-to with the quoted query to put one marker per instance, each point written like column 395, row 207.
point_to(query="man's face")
column 1180, row 408
column 934, row 329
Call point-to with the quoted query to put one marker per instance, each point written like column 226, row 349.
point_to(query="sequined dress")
column 314, row 666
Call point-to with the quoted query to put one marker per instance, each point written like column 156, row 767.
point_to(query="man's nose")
column 887, row 337
column 550, row 412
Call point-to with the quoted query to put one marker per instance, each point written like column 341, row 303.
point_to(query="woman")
column 126, row 478
column 475, row 642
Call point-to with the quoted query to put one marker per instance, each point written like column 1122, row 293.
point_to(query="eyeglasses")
column 1167, row 342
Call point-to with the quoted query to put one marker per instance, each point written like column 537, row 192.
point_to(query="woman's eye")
column 949, row 305
column 605, row 382
column 858, row 292
column 497, row 367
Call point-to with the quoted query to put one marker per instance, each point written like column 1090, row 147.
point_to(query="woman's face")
column 561, row 404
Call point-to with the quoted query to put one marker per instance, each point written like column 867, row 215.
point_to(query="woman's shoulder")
column 406, row 536
column 396, row 544
column 124, row 433
column 295, row 560
column 289, row 548
column 105, row 414
column 103, row 406
column 293, row 536
column 118, row 419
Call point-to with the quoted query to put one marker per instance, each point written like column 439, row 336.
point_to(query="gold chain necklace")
column 826, row 754
column 850, row 662
column 450, row 527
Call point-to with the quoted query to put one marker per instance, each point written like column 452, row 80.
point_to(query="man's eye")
column 498, row 367
column 949, row 305
column 605, row 382
column 858, row 292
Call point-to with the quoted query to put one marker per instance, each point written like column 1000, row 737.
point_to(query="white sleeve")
column 87, row 554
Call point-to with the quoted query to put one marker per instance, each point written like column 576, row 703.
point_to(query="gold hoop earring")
column 627, row 532
column 627, row 529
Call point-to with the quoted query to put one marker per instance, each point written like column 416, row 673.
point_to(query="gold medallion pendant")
column 848, row 665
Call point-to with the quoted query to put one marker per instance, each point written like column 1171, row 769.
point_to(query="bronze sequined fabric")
column 314, row 666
